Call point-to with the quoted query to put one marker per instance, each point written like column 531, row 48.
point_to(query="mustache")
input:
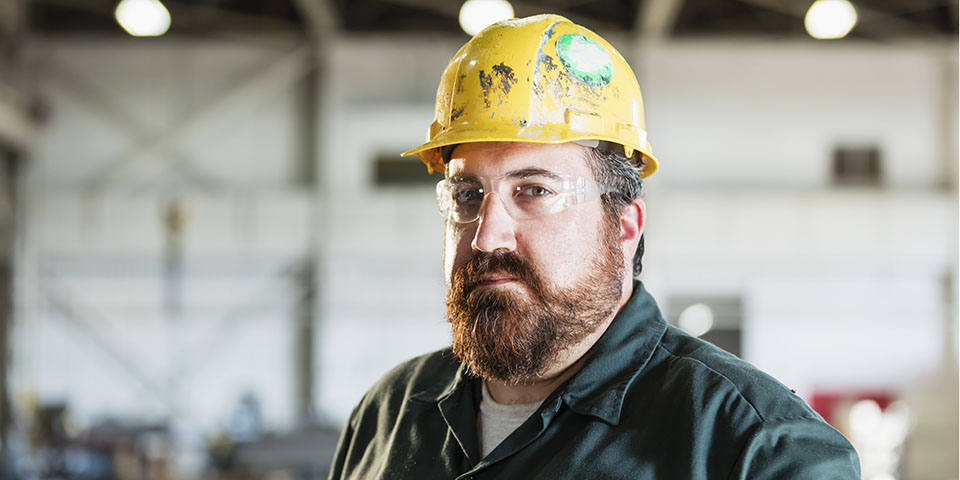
column 484, row 264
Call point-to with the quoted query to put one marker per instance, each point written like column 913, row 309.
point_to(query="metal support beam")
column 8, row 224
column 18, row 129
column 111, row 110
column 870, row 22
column 599, row 25
column 656, row 18
column 320, row 16
column 303, row 339
column 949, row 123
column 276, row 77
column 193, row 356
column 13, row 21
column 450, row 9
column 190, row 359
column 83, row 325
column 306, row 314
column 174, row 221
column 563, row 8
column 17, row 132
column 190, row 15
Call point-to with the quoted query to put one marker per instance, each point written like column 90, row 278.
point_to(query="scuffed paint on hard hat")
column 585, row 59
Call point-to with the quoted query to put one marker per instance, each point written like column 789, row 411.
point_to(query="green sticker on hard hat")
column 585, row 59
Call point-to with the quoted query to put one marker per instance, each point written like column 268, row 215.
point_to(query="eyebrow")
column 518, row 173
column 532, row 172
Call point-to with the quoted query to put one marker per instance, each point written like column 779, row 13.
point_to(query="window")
column 391, row 171
column 715, row 319
column 858, row 166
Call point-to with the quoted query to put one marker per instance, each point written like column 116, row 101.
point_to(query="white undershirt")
column 497, row 420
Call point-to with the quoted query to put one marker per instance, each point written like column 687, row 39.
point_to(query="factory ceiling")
column 880, row 20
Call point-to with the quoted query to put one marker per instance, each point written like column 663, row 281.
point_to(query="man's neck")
column 568, row 363
column 532, row 392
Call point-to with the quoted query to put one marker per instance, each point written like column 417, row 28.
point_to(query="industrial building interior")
column 212, row 247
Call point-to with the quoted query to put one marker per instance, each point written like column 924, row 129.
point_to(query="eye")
column 534, row 191
column 467, row 194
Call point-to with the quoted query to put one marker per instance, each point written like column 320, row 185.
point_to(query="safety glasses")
column 525, row 194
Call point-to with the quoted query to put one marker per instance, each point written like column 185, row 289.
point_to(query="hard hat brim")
column 429, row 152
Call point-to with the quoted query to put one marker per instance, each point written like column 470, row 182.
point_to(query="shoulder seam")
column 756, row 411
column 724, row 377
column 760, row 427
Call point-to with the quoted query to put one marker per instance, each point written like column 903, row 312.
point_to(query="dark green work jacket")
column 651, row 402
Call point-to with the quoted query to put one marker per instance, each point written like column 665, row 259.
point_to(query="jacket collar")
column 442, row 390
column 457, row 400
column 616, row 360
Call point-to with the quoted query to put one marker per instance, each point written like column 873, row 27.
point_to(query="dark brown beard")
column 512, row 337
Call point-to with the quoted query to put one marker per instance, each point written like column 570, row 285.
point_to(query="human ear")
column 633, row 218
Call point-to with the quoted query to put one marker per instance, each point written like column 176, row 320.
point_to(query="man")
column 561, row 365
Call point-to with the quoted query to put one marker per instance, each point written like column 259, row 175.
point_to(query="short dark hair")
column 612, row 168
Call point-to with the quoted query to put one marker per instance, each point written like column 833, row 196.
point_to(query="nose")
column 496, row 229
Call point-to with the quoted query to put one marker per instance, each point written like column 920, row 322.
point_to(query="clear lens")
column 523, row 196
column 460, row 199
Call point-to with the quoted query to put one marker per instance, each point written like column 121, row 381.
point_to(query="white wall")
column 771, row 113
column 133, row 127
column 742, row 205
column 384, row 290
column 841, row 290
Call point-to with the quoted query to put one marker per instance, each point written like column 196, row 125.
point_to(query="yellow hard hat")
column 541, row 79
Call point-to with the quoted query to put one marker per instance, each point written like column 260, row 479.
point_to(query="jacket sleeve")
column 796, row 448
column 338, row 468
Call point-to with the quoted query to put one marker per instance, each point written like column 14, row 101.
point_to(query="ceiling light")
column 696, row 319
column 475, row 15
column 830, row 19
column 143, row 18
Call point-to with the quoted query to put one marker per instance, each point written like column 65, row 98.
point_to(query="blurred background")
column 211, row 247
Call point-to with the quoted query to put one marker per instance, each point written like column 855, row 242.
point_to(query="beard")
column 502, row 334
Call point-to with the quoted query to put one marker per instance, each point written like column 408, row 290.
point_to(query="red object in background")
column 826, row 403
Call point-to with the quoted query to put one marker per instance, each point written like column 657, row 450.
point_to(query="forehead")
column 496, row 158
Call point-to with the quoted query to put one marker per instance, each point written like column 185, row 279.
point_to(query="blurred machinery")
column 108, row 450
column 304, row 454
